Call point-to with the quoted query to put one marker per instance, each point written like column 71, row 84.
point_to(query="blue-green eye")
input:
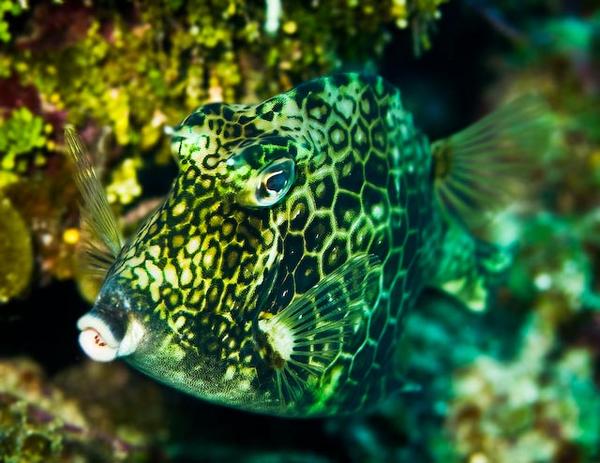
column 276, row 181
column 273, row 182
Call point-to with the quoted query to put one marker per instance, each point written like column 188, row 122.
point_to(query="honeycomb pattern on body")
column 203, row 267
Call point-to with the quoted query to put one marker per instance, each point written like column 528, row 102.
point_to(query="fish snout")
column 105, row 336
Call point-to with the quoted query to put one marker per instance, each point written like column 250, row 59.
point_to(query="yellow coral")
column 117, row 106
column 399, row 11
column 124, row 187
column 71, row 236
column 16, row 253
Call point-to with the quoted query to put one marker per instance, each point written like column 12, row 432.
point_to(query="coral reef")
column 92, row 412
column 537, row 398
column 534, row 405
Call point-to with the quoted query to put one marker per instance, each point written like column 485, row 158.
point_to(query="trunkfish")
column 297, row 235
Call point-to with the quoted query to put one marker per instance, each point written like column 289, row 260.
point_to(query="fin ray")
column 478, row 172
column 481, row 168
column 309, row 333
column 102, row 239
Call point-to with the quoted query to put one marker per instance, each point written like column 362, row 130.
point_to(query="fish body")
column 298, row 233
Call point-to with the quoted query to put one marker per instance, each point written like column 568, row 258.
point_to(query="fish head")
column 180, row 300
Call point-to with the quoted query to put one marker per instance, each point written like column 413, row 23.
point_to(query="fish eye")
column 274, row 181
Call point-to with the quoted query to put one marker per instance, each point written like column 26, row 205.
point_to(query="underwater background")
column 515, row 383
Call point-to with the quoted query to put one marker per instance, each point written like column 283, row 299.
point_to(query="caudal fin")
column 488, row 165
column 478, row 172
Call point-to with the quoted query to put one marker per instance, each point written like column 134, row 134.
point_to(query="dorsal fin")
column 102, row 239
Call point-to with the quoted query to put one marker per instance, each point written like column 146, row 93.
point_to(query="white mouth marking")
column 96, row 339
column 98, row 342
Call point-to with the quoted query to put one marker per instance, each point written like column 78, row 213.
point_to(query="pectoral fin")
column 307, row 336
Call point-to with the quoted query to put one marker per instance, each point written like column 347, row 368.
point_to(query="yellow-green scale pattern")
column 203, row 269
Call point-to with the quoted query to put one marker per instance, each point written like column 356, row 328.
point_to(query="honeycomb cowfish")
column 297, row 235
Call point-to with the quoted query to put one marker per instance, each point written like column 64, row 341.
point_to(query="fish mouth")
column 103, row 338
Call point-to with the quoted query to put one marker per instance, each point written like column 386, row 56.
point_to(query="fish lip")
column 94, row 322
column 129, row 343
column 92, row 326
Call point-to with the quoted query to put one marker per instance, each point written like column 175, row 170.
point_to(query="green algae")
column 8, row 8
column 21, row 134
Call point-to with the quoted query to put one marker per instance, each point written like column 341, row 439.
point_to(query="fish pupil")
column 276, row 181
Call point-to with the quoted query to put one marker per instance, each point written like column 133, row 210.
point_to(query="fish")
column 297, row 235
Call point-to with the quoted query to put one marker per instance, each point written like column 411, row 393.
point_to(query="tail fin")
column 486, row 166
column 478, row 172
